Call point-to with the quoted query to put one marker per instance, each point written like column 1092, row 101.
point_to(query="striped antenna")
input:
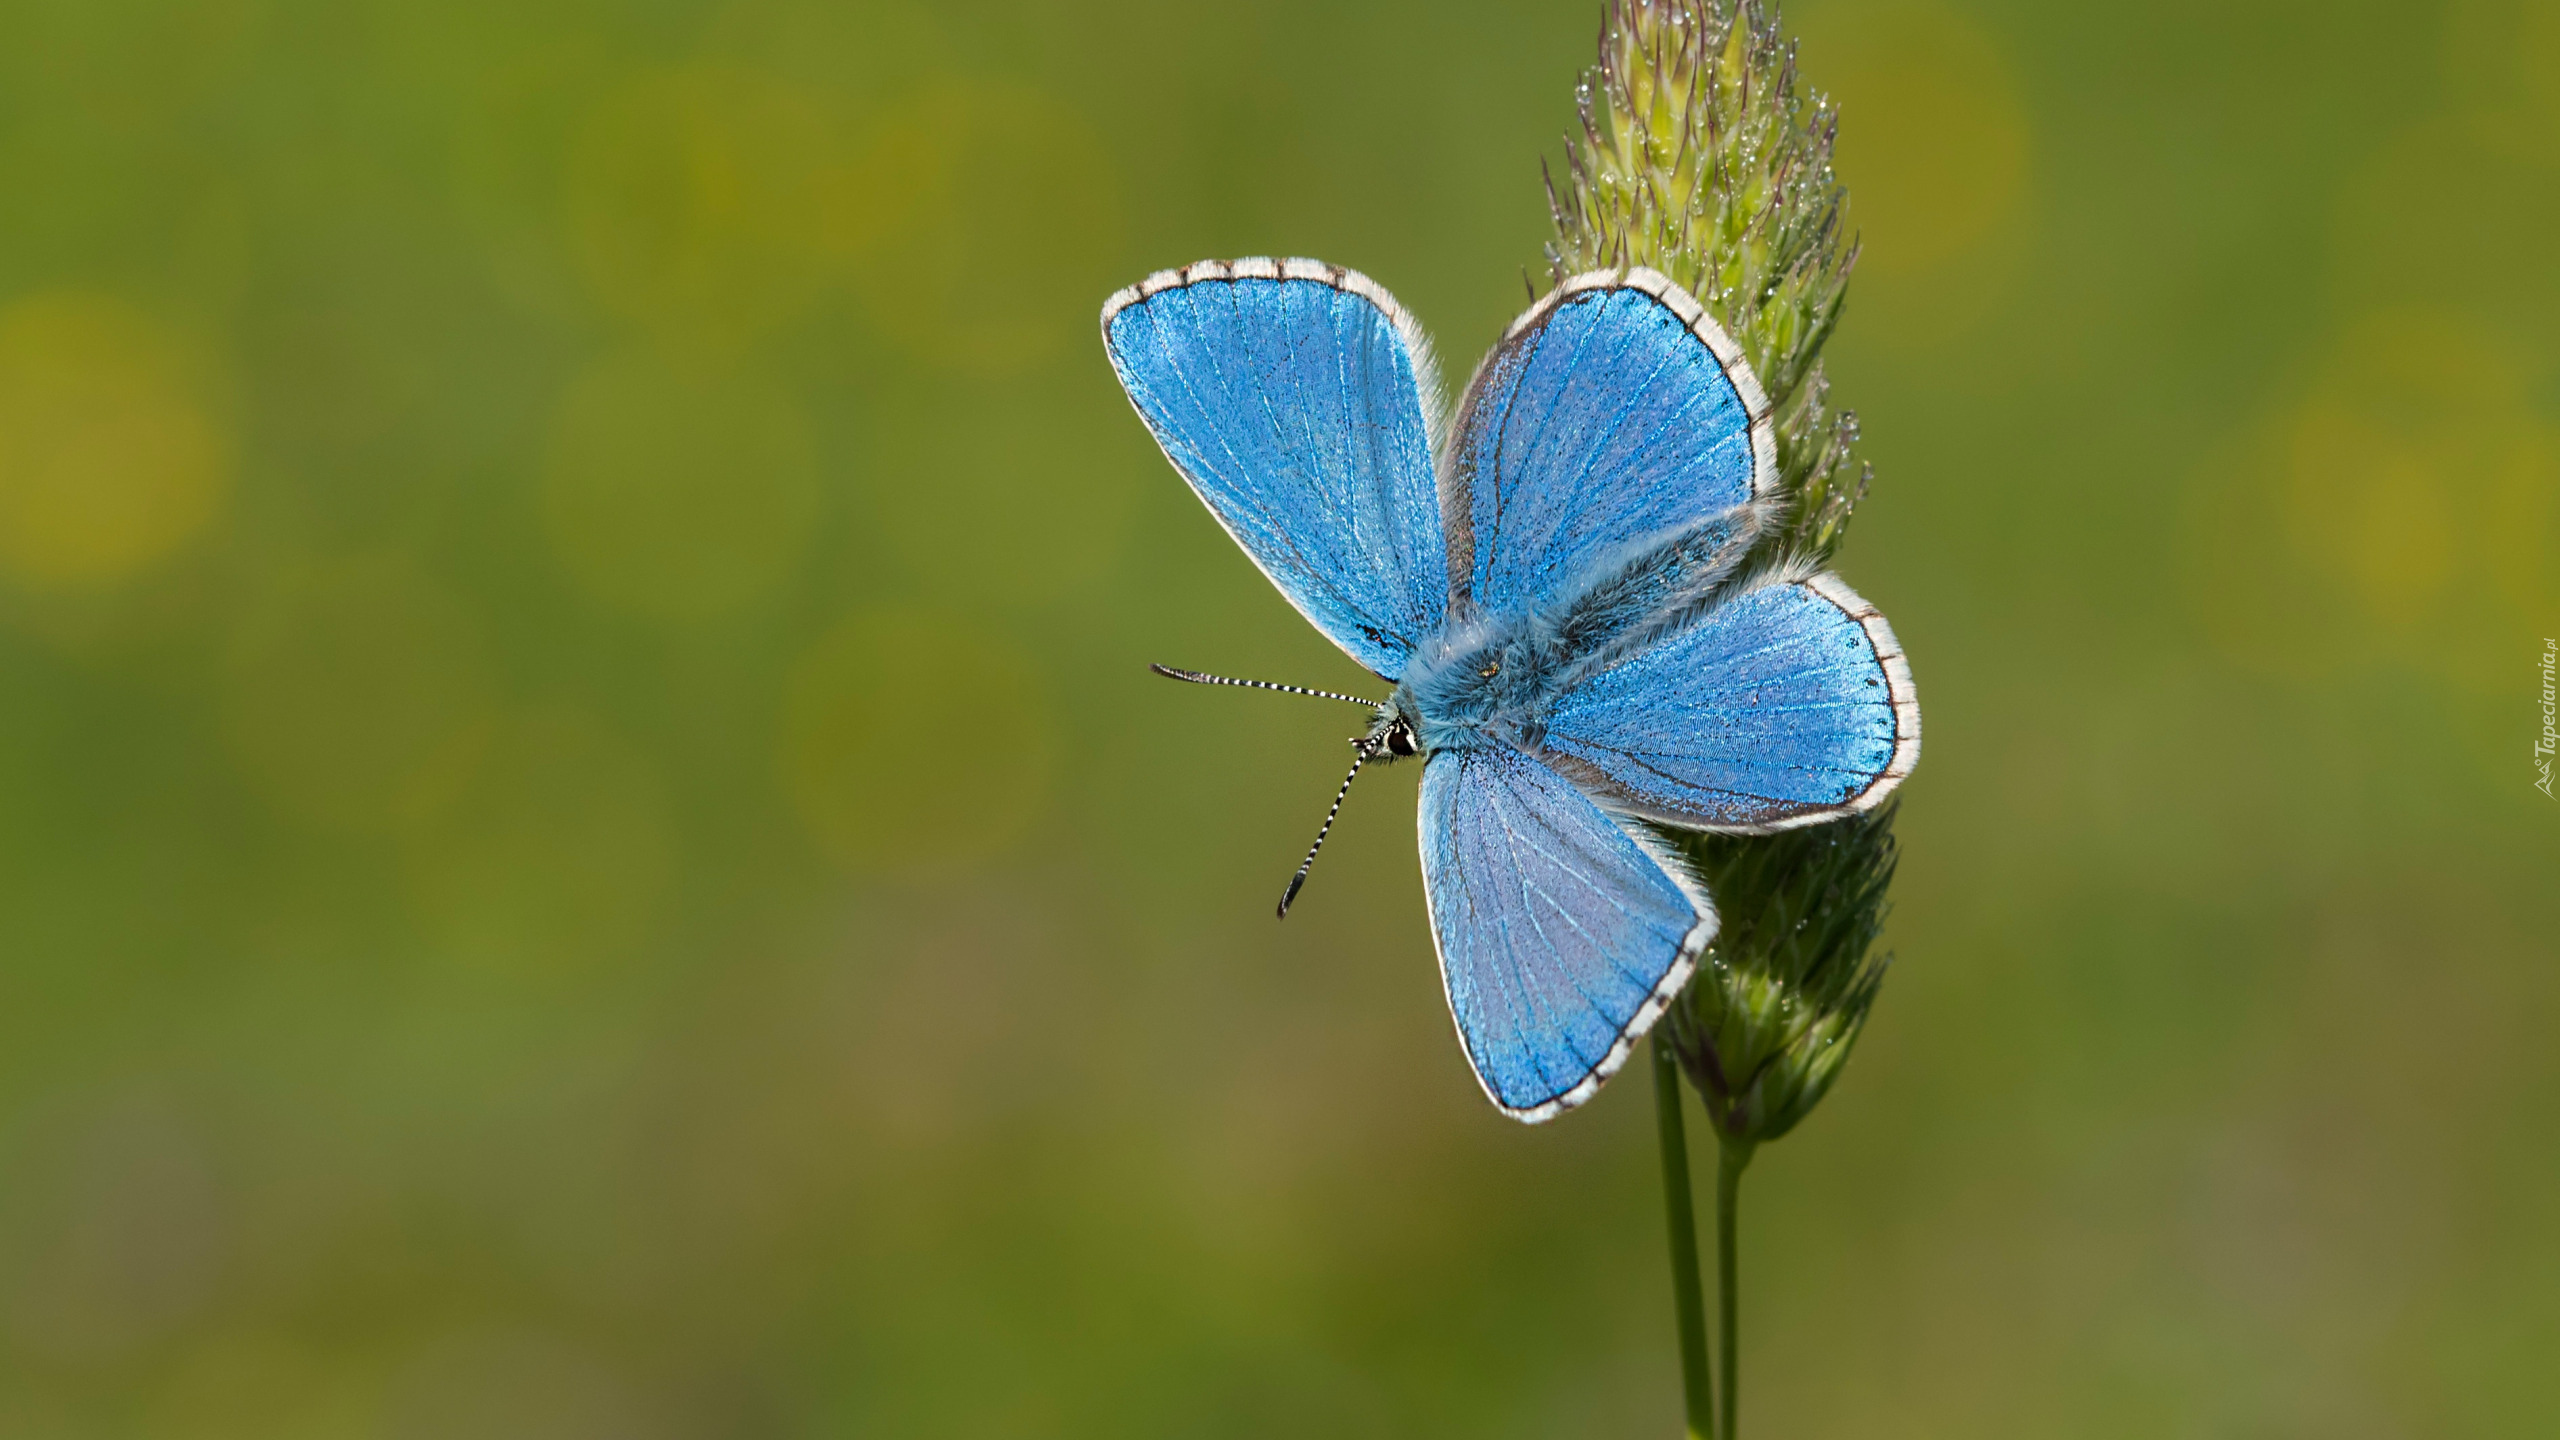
column 1363, row 751
column 1196, row 678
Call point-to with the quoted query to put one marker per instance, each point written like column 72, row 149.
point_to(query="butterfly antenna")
column 1196, row 678
column 1362, row 752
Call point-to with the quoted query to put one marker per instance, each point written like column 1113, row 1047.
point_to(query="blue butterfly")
column 1554, row 583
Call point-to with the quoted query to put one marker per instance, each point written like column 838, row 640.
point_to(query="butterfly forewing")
column 1292, row 396
column 1613, row 413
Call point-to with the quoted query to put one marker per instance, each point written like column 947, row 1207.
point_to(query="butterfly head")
column 1391, row 736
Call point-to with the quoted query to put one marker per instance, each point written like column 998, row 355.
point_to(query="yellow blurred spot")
column 983, row 225
column 2404, row 502
column 357, row 697
column 1934, row 136
column 912, row 741
column 693, row 198
column 2369, row 500
column 678, row 495
column 109, row 456
column 2420, row 428
column 559, row 853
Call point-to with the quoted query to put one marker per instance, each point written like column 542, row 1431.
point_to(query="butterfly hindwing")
column 1561, row 938
column 1293, row 396
column 1785, row 705
column 1613, row 413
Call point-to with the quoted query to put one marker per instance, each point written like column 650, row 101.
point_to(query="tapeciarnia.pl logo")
column 2543, row 747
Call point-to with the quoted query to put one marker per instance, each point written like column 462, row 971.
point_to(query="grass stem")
column 1731, row 1157
column 1696, row 1381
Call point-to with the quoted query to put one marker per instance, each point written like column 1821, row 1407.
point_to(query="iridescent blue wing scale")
column 1613, row 414
column 1785, row 705
column 1297, row 398
column 1562, row 937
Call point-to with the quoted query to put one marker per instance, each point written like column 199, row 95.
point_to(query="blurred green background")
column 586, row 849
